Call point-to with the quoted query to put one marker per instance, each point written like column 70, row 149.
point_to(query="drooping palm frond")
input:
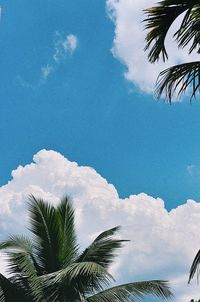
column 18, row 244
column 78, row 278
column 132, row 291
column 188, row 33
column 158, row 22
column 22, row 265
column 44, row 225
column 80, row 271
column 103, row 248
column 67, row 235
column 195, row 267
column 177, row 79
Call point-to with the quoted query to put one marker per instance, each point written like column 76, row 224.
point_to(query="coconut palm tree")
column 48, row 266
column 159, row 19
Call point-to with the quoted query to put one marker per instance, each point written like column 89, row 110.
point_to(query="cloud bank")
column 128, row 43
column 162, row 245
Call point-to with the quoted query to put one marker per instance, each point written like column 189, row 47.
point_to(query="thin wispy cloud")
column 45, row 71
column 63, row 47
column 23, row 83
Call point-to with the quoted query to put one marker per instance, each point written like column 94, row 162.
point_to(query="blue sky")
column 86, row 109
column 96, row 107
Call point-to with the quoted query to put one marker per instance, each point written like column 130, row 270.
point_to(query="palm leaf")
column 158, row 22
column 133, row 291
column 78, row 278
column 67, row 235
column 189, row 32
column 195, row 267
column 177, row 79
column 19, row 243
column 103, row 248
column 10, row 292
column 22, row 264
column 77, row 270
column 44, row 224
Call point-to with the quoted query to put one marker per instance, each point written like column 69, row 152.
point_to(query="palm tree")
column 49, row 267
column 179, row 78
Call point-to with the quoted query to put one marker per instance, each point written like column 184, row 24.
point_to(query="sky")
column 77, row 92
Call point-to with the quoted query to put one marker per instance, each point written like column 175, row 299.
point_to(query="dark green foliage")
column 177, row 79
column 49, row 267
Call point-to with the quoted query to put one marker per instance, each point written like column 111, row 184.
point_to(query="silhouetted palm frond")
column 174, row 81
column 195, row 267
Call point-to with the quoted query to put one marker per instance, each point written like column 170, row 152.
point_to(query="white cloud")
column 128, row 43
column 162, row 245
column 64, row 45
column 45, row 71
column 70, row 43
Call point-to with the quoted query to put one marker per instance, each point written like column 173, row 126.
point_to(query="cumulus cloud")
column 128, row 43
column 162, row 245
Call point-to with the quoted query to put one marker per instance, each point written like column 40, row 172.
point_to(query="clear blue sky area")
column 85, row 109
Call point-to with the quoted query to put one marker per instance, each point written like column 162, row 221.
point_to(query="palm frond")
column 189, row 32
column 10, row 292
column 67, row 235
column 77, row 270
column 44, row 224
column 177, row 79
column 158, row 22
column 19, row 243
column 28, row 274
column 195, row 267
column 103, row 248
column 22, row 264
column 132, row 291
column 78, row 278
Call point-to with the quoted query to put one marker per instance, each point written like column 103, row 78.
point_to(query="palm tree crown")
column 176, row 79
column 49, row 267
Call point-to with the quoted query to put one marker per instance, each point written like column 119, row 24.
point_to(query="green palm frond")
column 19, row 244
column 103, row 248
column 133, row 291
column 44, row 225
column 78, row 278
column 67, row 235
column 11, row 292
column 28, row 275
column 158, row 22
column 22, row 264
column 79, row 270
column 177, row 79
column 195, row 267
